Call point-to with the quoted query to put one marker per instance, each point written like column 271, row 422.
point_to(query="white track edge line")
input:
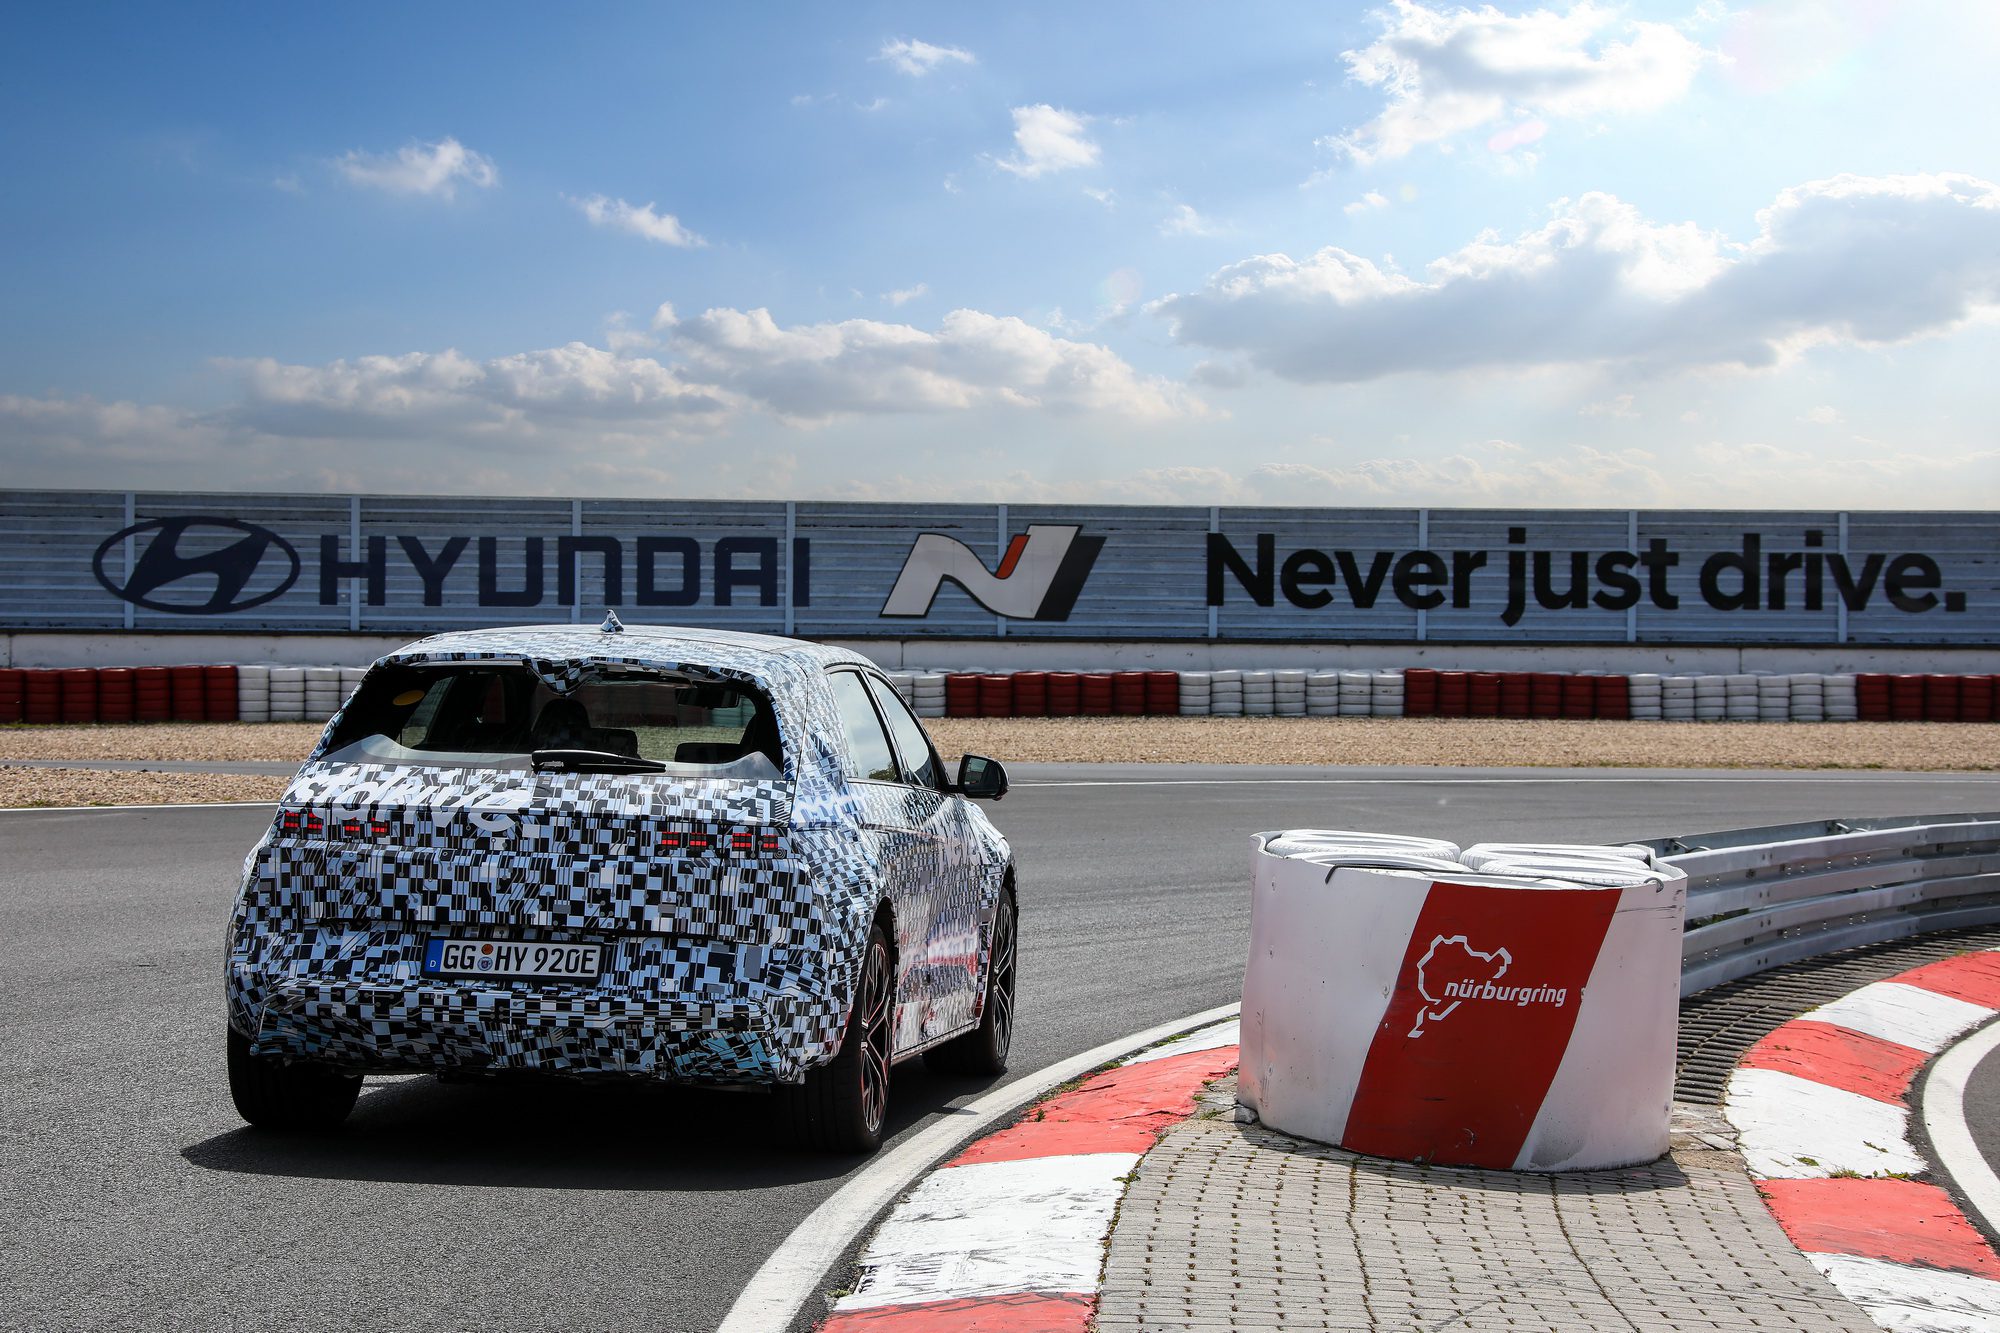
column 792, row 1275
column 1944, row 1121
column 1768, row 775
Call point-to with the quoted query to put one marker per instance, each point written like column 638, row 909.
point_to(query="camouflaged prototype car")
column 680, row 855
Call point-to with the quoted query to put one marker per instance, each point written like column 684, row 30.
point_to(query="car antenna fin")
column 611, row 625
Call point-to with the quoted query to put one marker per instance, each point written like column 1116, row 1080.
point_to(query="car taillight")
column 741, row 842
column 312, row 823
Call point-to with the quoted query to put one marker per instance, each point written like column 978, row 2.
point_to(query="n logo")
column 1038, row 579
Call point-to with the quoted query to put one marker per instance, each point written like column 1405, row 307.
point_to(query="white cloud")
column 639, row 220
column 376, row 396
column 1518, row 135
column 1046, row 140
column 904, row 295
column 1107, row 197
column 1447, row 72
column 726, row 372
column 1851, row 259
column 436, row 169
column 920, row 58
column 813, row 372
column 1184, row 221
column 1823, row 416
column 1619, row 408
column 1367, row 203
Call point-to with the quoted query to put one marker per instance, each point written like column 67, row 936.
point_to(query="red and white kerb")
column 1822, row 1107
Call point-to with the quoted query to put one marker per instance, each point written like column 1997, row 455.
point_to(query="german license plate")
column 534, row 960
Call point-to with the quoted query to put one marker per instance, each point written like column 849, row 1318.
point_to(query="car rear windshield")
column 498, row 715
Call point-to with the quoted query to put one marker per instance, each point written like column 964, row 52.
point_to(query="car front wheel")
column 271, row 1094
column 844, row 1104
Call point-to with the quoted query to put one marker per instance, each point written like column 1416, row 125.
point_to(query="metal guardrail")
column 1759, row 898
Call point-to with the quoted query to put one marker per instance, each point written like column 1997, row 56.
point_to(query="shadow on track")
column 556, row 1135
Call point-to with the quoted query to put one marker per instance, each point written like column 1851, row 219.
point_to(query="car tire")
column 844, row 1104
column 271, row 1094
column 984, row 1050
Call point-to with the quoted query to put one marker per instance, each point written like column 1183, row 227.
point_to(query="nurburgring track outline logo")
column 162, row 564
column 1039, row 577
column 1443, row 993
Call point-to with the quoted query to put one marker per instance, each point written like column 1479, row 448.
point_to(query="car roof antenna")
column 611, row 625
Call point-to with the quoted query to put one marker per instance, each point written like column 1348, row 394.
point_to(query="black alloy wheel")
column 872, row 1004
column 844, row 1104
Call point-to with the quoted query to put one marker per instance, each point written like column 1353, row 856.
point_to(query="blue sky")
column 1675, row 254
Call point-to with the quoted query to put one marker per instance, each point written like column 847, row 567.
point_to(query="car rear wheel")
column 844, row 1104
column 271, row 1094
column 984, row 1051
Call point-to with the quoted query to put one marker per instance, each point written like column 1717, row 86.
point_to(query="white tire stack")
column 1195, row 693
column 1808, row 698
column 1357, row 693
column 1677, row 698
column 927, row 693
column 1774, row 698
column 288, row 694
column 1385, row 694
column 253, row 694
column 905, row 683
column 1837, row 695
column 1711, row 699
column 1644, row 695
column 322, row 693
column 1288, row 693
column 1260, row 694
column 1739, row 698
column 1225, row 693
column 1323, row 694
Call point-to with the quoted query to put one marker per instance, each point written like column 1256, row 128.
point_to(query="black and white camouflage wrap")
column 719, row 965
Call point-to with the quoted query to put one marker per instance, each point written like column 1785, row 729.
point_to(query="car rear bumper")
column 355, row 998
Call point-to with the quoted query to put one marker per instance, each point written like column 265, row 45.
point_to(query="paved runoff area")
column 1231, row 1226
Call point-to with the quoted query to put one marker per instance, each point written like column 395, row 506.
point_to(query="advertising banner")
column 403, row 564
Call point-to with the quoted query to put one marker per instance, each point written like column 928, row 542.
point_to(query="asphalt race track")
column 134, row 1196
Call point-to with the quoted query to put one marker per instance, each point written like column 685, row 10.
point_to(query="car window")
column 496, row 715
column 920, row 767
column 866, row 740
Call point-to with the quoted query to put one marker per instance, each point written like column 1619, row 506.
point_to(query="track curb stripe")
column 1846, row 1059
column 1822, row 1106
column 1009, row 1234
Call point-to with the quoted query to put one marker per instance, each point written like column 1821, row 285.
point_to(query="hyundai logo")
column 193, row 551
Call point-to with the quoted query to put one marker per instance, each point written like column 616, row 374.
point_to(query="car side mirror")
column 981, row 778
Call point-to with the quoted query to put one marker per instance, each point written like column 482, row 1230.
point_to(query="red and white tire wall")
column 1500, row 1007
column 219, row 693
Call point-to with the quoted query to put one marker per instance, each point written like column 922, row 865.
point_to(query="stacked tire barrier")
column 1522, row 1015
column 252, row 693
column 1505, row 1006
